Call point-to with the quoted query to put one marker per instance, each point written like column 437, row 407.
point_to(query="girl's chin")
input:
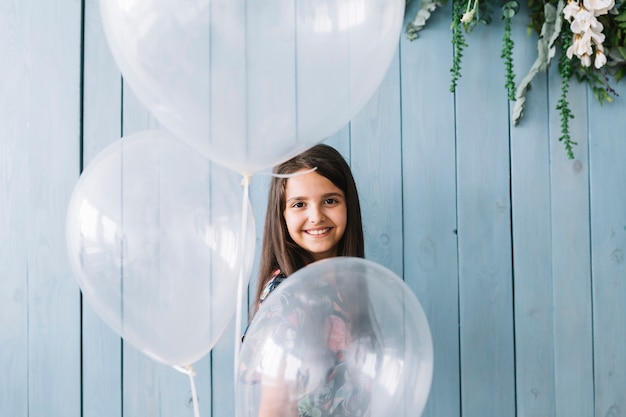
column 320, row 255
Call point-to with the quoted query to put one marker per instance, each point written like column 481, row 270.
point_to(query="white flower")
column 587, row 35
column 583, row 20
column 421, row 17
column 595, row 31
column 571, row 10
column 467, row 16
column 581, row 45
column 589, row 30
column 585, row 60
column 599, row 47
column 600, row 59
column 432, row 6
column 599, row 7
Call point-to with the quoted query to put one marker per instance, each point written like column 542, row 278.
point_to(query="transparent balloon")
column 251, row 83
column 157, row 237
column 342, row 336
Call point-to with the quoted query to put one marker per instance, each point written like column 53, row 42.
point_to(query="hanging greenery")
column 589, row 35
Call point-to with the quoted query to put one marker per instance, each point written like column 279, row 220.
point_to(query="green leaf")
column 508, row 13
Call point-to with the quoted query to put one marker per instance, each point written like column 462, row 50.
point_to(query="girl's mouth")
column 318, row 232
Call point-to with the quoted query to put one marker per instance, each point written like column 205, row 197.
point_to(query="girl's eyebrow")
column 322, row 197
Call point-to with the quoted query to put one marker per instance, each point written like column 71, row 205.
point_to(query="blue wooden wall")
column 515, row 251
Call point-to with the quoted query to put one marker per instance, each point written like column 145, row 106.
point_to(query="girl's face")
column 315, row 214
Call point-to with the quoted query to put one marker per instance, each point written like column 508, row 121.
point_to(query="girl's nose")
column 316, row 215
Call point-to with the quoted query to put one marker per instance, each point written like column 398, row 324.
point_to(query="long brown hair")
column 278, row 250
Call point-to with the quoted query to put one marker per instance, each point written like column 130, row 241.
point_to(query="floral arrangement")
column 590, row 36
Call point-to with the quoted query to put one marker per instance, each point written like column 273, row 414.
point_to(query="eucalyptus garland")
column 565, row 71
column 458, row 40
column 509, row 9
column 590, row 36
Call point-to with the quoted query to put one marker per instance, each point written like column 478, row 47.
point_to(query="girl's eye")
column 299, row 204
column 330, row 201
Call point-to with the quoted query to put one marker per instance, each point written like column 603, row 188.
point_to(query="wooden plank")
column 484, row 230
column 101, row 346
column 573, row 369
column 52, row 102
column 14, row 192
column 531, row 220
column 377, row 169
column 222, row 361
column 340, row 140
column 429, row 199
column 607, row 153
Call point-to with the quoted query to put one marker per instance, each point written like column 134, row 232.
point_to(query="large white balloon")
column 340, row 337
column 251, row 83
column 155, row 241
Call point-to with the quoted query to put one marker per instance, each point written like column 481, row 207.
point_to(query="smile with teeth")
column 317, row 232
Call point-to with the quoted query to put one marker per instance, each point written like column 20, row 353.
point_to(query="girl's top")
column 344, row 390
column 273, row 283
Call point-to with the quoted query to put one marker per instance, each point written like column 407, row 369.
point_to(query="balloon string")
column 239, row 311
column 294, row 174
column 188, row 370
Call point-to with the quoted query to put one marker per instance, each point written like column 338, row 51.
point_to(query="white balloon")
column 251, row 83
column 343, row 336
column 155, row 241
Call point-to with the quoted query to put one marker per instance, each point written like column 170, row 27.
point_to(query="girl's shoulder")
column 275, row 280
column 272, row 284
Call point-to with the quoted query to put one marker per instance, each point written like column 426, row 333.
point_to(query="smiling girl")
column 313, row 213
column 310, row 216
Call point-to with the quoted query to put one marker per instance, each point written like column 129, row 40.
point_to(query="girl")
column 310, row 216
column 313, row 213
